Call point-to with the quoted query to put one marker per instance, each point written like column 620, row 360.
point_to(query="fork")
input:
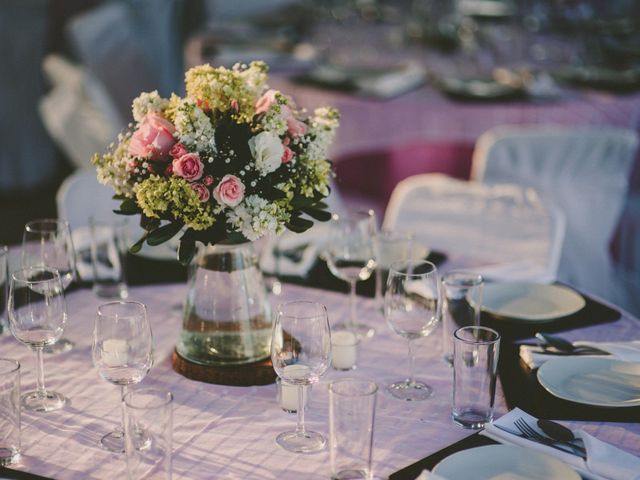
column 549, row 443
column 530, row 432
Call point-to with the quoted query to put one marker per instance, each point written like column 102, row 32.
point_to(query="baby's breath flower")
column 148, row 102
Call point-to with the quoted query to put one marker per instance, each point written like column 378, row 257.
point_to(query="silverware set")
column 528, row 432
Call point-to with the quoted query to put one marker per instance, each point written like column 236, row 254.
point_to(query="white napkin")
column 604, row 461
column 81, row 238
column 535, row 356
column 427, row 475
column 304, row 245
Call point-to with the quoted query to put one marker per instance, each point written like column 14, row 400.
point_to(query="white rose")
column 267, row 150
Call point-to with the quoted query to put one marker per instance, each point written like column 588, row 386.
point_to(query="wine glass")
column 37, row 316
column 301, row 353
column 47, row 243
column 412, row 308
column 122, row 353
column 350, row 256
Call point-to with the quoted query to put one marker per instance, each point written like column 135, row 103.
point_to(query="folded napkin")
column 604, row 461
column 427, row 475
column 81, row 238
column 535, row 356
column 292, row 254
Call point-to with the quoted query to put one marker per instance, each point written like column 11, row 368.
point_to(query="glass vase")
column 227, row 315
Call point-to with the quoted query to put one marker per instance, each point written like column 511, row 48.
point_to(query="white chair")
column 585, row 171
column 507, row 227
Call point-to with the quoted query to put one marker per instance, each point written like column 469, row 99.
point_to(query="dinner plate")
column 597, row 381
column 531, row 302
column 502, row 462
column 479, row 89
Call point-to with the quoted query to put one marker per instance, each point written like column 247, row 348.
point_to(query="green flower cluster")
column 158, row 195
column 222, row 89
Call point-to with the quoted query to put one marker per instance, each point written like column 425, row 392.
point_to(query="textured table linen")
column 229, row 432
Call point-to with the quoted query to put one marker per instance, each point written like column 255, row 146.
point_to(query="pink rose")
column 230, row 191
column 295, row 127
column 178, row 150
column 188, row 166
column 287, row 155
column 153, row 139
column 208, row 180
column 201, row 190
column 234, row 105
column 265, row 101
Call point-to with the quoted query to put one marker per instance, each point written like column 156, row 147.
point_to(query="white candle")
column 296, row 372
column 114, row 352
column 288, row 395
column 344, row 350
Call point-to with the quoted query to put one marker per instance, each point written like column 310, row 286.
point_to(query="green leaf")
column 135, row 248
column 186, row 251
column 299, row 225
column 128, row 207
column 164, row 233
column 148, row 223
column 234, row 238
column 320, row 215
column 300, row 201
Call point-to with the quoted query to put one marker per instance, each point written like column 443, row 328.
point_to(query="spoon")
column 563, row 345
column 560, row 433
column 556, row 430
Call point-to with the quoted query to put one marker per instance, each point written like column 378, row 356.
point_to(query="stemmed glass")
column 47, row 243
column 301, row 353
column 37, row 316
column 122, row 353
column 350, row 256
column 412, row 308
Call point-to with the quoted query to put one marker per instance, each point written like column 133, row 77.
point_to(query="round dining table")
column 229, row 431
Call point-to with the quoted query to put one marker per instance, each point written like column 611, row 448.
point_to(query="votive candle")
column 344, row 350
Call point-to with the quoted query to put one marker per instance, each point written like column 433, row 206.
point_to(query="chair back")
column 502, row 224
column 584, row 171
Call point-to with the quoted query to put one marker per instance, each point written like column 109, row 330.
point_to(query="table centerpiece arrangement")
column 222, row 166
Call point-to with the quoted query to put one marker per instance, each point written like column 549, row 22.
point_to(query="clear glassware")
column 412, row 308
column 37, row 316
column 47, row 243
column 122, row 353
column 350, row 256
column 301, row 354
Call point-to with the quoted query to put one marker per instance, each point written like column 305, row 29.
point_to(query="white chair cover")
column 585, row 171
column 508, row 226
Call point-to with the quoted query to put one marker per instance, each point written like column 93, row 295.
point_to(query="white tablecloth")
column 229, row 432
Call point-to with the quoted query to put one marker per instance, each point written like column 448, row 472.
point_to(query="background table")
column 229, row 432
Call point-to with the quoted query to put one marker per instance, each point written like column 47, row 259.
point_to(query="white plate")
column 503, row 462
column 599, row 381
column 531, row 301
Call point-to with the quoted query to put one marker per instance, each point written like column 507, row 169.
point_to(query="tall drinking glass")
column 412, row 308
column 301, row 354
column 122, row 353
column 47, row 243
column 37, row 316
column 350, row 256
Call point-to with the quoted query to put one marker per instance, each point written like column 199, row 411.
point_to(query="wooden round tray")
column 257, row 373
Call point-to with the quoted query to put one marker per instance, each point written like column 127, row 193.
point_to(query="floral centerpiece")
column 229, row 162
